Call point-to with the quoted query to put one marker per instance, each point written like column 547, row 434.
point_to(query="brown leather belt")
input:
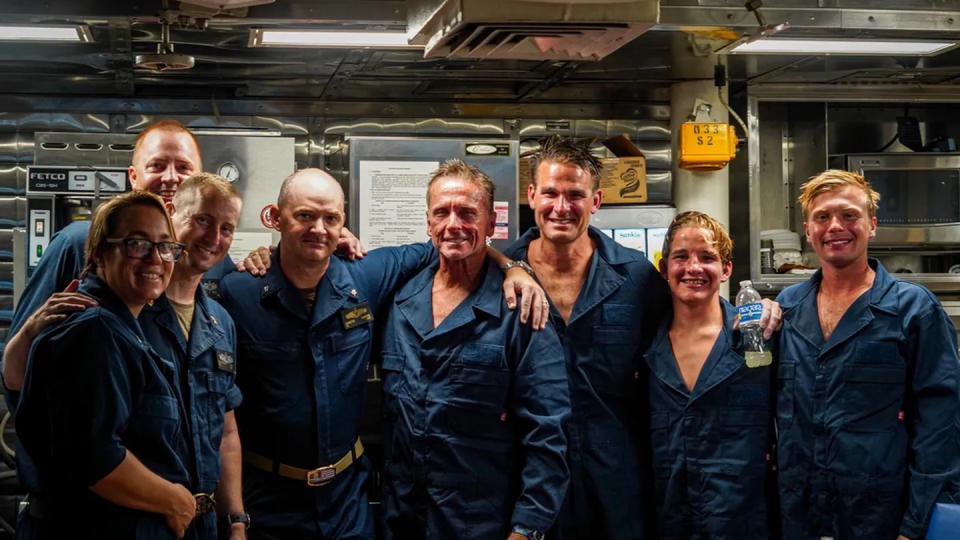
column 313, row 477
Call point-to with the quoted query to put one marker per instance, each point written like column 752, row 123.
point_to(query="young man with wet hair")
column 710, row 413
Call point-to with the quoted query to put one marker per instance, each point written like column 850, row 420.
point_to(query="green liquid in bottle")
column 758, row 359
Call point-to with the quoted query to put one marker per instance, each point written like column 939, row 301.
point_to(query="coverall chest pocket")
column 159, row 417
column 615, row 345
column 392, row 366
column 393, row 384
column 481, row 375
column 786, row 381
column 745, row 434
column 274, row 368
column 874, row 385
column 349, row 349
column 660, row 436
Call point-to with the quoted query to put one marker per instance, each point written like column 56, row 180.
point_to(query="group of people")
column 609, row 400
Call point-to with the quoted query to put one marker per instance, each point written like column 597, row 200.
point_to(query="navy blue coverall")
column 94, row 390
column 206, row 369
column 60, row 264
column 869, row 419
column 615, row 316
column 474, row 417
column 302, row 374
column 710, row 445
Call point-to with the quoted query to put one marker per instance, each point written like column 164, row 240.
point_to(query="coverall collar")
column 721, row 363
column 205, row 329
column 881, row 297
column 605, row 245
column 603, row 275
column 332, row 290
column 487, row 299
column 96, row 288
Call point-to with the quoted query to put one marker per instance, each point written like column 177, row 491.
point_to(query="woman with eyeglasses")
column 100, row 413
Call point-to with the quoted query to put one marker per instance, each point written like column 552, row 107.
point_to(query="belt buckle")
column 321, row 475
column 205, row 503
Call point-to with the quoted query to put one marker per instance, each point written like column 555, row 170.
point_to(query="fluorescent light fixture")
column 849, row 47
column 265, row 37
column 77, row 33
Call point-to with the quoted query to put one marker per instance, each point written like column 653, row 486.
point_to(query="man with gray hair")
column 304, row 331
column 474, row 399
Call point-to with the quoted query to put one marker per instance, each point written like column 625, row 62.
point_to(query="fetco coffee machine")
column 72, row 173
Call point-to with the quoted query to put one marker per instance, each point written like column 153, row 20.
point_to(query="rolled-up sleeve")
column 234, row 397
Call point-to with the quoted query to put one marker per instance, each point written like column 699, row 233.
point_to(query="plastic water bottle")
column 750, row 309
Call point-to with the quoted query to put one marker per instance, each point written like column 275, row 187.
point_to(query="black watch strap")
column 239, row 518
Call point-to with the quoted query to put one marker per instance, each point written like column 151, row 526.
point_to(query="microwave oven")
column 919, row 197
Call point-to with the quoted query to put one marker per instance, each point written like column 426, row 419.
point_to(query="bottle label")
column 750, row 312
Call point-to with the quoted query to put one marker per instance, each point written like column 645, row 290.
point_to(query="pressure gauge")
column 229, row 171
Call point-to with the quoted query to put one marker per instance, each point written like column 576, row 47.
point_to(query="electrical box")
column 706, row 146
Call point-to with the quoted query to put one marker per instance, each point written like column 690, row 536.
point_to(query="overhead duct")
column 527, row 29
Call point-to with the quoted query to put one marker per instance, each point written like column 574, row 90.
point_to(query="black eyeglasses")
column 139, row 248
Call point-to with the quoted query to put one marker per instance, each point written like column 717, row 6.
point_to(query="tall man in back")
column 606, row 304
column 868, row 414
column 166, row 153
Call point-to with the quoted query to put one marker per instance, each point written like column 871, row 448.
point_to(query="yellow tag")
column 356, row 316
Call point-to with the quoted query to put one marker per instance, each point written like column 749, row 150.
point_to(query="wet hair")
column 834, row 179
column 721, row 238
column 170, row 125
column 456, row 168
column 204, row 183
column 568, row 151
column 106, row 218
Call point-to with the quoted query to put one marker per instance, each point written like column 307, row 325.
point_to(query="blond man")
column 867, row 405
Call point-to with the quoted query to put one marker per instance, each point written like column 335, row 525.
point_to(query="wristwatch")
column 532, row 534
column 519, row 264
column 239, row 518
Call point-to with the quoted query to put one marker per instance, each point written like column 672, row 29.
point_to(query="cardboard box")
column 524, row 178
column 623, row 179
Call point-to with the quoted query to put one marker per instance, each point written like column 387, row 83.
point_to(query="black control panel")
column 77, row 180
